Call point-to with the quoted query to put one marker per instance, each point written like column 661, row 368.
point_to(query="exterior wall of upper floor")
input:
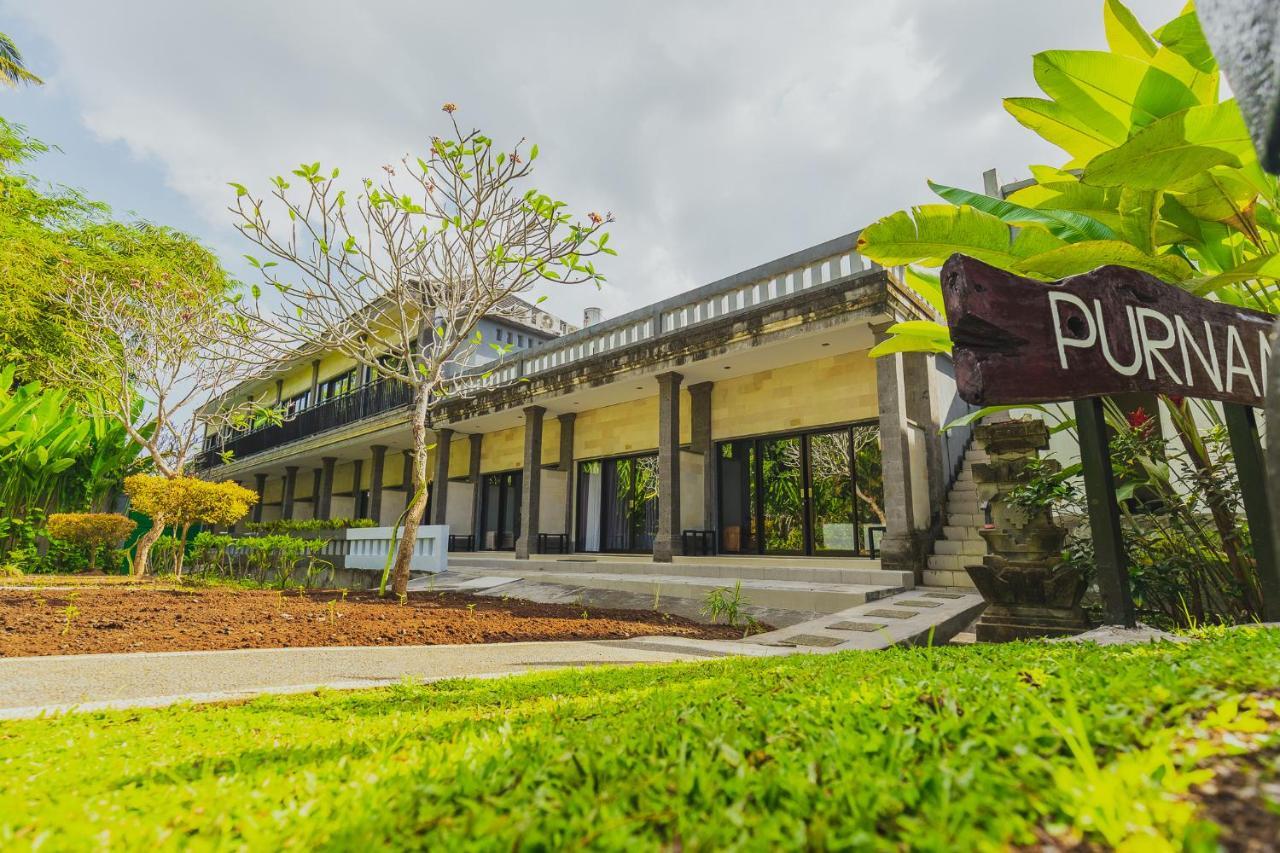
column 315, row 377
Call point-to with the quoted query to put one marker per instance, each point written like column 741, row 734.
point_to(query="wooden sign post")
column 1111, row 331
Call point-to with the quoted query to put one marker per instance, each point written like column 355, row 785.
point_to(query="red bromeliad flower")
column 1139, row 420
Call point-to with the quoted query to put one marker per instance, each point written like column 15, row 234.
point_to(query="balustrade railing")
column 802, row 271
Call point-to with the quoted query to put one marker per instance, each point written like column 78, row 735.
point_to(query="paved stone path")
column 35, row 685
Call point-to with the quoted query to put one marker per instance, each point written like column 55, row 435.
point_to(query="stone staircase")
column 807, row 588
column 960, row 544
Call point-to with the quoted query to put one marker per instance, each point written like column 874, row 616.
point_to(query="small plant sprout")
column 332, row 610
column 657, row 596
column 69, row 613
column 471, row 610
column 719, row 602
column 344, row 595
column 404, row 598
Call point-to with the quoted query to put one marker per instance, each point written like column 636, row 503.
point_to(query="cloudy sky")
column 721, row 134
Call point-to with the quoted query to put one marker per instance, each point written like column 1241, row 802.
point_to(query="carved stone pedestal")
column 1028, row 592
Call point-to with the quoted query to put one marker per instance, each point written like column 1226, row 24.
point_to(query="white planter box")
column 368, row 547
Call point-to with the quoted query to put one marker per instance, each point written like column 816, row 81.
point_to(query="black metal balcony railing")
column 365, row 401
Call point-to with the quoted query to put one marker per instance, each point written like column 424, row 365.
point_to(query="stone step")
column 934, row 577
column 965, row 547
column 784, row 595
column 952, row 562
column 963, row 507
column 958, row 532
column 965, row 519
column 807, row 570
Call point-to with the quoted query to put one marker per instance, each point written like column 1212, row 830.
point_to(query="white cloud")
column 720, row 133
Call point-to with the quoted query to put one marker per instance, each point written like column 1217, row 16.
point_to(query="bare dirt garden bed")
column 72, row 615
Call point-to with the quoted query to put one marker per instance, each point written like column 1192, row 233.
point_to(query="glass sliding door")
column 737, row 465
column 869, row 487
column 590, row 491
column 831, row 492
column 817, row 493
column 781, row 489
column 618, row 504
column 500, row 510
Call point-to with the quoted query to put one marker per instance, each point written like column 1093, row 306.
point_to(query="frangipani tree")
column 1160, row 176
column 397, row 273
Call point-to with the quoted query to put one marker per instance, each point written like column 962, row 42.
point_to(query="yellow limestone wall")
column 630, row 427
column 393, row 470
column 816, row 393
column 502, row 450
column 459, row 457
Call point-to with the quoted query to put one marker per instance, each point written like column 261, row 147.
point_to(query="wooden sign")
column 1109, row 331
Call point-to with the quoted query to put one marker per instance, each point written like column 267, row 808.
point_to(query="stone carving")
column 1028, row 592
column 1245, row 36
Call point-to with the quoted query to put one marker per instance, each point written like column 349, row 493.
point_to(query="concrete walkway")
column 37, row 685
column 33, row 686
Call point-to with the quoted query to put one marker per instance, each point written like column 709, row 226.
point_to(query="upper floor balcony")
column 364, row 401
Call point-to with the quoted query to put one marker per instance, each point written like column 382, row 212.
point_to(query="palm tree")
column 12, row 69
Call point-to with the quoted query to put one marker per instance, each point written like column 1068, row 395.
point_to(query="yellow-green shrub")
column 93, row 531
column 181, row 502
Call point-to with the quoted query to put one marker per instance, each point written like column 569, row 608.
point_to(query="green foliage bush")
column 259, row 558
column 1182, row 518
column 942, row 749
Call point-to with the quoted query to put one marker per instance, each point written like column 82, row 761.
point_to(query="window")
column 618, row 504
column 297, row 403
column 520, row 341
column 500, row 335
column 812, row 493
column 337, row 386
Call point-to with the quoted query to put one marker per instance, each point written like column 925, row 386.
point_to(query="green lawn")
column 944, row 749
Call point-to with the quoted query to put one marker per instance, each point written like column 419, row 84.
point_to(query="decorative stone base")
column 1027, row 599
column 1001, row 624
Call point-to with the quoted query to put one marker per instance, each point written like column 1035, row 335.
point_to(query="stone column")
column 406, row 477
column 666, row 544
column 531, row 483
column 316, row 478
column 260, row 485
column 440, row 482
column 919, row 378
column 475, row 446
column 290, row 485
column 357, row 474
column 315, row 384
column 375, row 481
column 700, row 435
column 326, row 486
column 900, row 547
column 567, row 422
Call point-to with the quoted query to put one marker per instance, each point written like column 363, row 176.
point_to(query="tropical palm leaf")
column 12, row 69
